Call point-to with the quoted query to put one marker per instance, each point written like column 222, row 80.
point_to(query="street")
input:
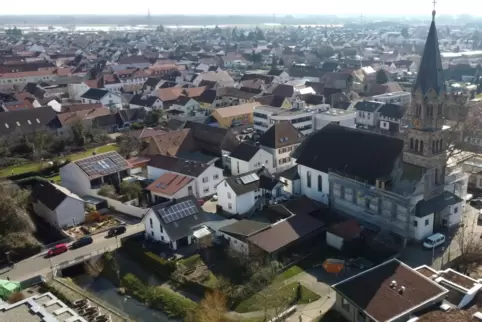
column 39, row 265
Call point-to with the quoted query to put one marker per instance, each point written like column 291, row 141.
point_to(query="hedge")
column 171, row 303
column 158, row 265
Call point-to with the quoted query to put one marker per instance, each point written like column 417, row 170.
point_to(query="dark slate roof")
column 185, row 226
column 280, row 135
column 178, row 165
column 436, row 204
column 208, row 96
column 283, row 90
column 48, row 194
column 275, row 72
column 95, row 94
column 134, row 114
column 143, row 100
column 107, row 120
column 152, row 81
column 290, row 174
column 240, row 188
column 212, row 139
column 267, row 79
column 28, row 120
column 244, row 152
column 311, row 99
column 366, row 155
column 244, row 228
column 318, row 87
column 234, row 92
column 392, row 110
column 271, row 100
column 367, row 106
column 268, row 182
column 430, row 74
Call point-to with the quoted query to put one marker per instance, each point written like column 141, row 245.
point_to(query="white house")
column 106, row 98
column 187, row 106
column 244, row 193
column 87, row 174
column 57, row 205
column 146, row 102
column 172, row 186
column 279, row 141
column 265, row 116
column 76, row 90
column 174, row 221
column 247, row 157
column 367, row 114
column 205, row 176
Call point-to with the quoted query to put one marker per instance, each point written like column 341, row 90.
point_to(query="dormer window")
column 6, row 125
column 30, row 123
column 38, row 121
column 18, row 123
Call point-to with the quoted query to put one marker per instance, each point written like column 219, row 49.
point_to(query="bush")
column 107, row 191
column 158, row 265
column 171, row 303
column 15, row 297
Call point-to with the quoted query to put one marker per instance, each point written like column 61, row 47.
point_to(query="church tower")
column 424, row 142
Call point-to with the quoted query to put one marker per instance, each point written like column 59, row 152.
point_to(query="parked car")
column 57, row 250
column 84, row 241
column 116, row 231
column 434, row 241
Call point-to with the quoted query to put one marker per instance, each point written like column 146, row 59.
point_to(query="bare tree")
column 213, row 308
column 470, row 249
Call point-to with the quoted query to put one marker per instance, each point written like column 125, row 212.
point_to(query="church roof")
column 430, row 74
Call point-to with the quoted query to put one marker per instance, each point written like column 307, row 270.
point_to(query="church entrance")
column 437, row 222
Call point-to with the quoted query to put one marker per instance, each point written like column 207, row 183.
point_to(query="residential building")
column 27, row 121
column 174, row 222
column 279, row 76
column 57, row 205
column 106, row 98
column 146, row 102
column 291, row 180
column 90, row 173
column 244, row 193
column 399, row 98
column 390, row 117
column 246, row 158
column 237, row 234
column 391, row 291
column 234, row 115
column 171, row 186
column 205, row 176
column 367, row 114
column 335, row 116
column 280, row 141
column 265, row 116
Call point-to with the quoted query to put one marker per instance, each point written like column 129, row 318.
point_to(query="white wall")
column 334, row 241
column 292, row 187
column 111, row 99
column 223, row 190
column 120, row 206
column 70, row 212
column 74, row 179
column 77, row 90
column 424, row 227
column 155, row 231
column 456, row 212
column 213, row 176
column 313, row 192
column 243, row 166
column 183, row 192
column 154, row 173
column 245, row 202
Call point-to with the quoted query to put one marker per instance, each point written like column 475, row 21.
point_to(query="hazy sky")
column 192, row 7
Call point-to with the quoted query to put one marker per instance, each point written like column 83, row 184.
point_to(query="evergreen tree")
column 381, row 77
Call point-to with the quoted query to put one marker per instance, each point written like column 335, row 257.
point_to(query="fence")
column 121, row 207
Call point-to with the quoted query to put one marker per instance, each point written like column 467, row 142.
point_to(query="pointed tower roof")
column 430, row 74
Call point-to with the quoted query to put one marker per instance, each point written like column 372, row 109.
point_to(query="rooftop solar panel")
column 103, row 164
column 178, row 211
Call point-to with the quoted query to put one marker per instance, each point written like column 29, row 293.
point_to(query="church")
column 405, row 187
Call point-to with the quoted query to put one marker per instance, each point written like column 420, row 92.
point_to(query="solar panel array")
column 249, row 178
column 178, row 211
column 102, row 164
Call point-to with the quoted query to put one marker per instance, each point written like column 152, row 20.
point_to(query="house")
column 279, row 76
column 391, row 291
column 185, row 106
column 57, row 205
column 146, row 102
column 265, row 116
column 367, row 114
column 291, row 180
column 174, row 222
column 390, row 118
column 87, row 174
column 237, row 234
column 338, row 80
column 171, row 186
column 247, row 192
column 400, row 98
column 279, row 141
column 86, row 117
column 275, row 101
column 205, row 176
column 222, row 78
column 170, row 143
column 344, row 117
column 230, row 96
column 234, row 115
column 106, row 98
column 208, row 100
column 247, row 157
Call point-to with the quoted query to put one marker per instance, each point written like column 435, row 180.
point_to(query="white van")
column 434, row 241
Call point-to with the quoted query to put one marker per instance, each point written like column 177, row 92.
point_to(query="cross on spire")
column 434, row 2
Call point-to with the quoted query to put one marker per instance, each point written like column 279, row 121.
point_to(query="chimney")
column 401, row 290
column 393, row 284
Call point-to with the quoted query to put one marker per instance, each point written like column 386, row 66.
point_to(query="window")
column 415, row 223
column 368, row 115
column 162, row 229
column 308, row 179
column 230, row 206
column 152, row 233
column 229, row 195
column 216, row 177
column 205, row 179
column 345, row 305
column 225, row 184
column 427, row 222
column 162, row 238
column 416, row 145
column 189, row 190
column 150, row 222
column 411, row 144
column 421, row 146
column 456, row 210
column 319, row 182
column 206, row 190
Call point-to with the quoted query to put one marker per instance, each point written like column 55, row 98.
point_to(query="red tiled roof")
column 169, row 183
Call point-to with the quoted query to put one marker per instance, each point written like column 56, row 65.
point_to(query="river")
column 106, row 291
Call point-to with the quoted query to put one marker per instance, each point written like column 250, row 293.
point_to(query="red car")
column 58, row 249
column 201, row 202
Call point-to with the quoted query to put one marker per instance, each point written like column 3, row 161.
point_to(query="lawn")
column 284, row 294
column 292, row 271
column 36, row 166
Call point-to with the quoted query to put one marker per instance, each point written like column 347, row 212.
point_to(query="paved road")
column 38, row 264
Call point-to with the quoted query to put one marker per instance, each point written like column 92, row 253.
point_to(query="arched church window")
column 436, row 176
column 433, row 146
column 421, row 146
column 440, row 145
column 416, row 145
column 411, row 143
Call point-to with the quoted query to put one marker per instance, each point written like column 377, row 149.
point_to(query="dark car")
column 116, row 231
column 84, row 241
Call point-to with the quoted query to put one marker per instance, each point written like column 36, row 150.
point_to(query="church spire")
column 430, row 74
